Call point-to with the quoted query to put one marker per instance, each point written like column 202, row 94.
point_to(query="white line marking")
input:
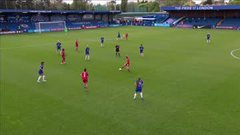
column 232, row 53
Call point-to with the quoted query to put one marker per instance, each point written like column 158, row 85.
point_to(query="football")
column 120, row 69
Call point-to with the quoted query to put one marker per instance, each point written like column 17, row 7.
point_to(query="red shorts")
column 127, row 65
column 85, row 80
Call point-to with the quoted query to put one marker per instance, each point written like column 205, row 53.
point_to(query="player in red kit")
column 126, row 36
column 127, row 64
column 84, row 75
column 63, row 56
column 76, row 45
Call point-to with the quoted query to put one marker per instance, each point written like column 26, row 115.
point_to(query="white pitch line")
column 232, row 53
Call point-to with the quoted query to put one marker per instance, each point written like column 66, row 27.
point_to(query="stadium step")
column 220, row 22
column 178, row 21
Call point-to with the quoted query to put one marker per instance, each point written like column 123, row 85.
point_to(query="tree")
column 175, row 2
column 132, row 7
column 235, row 2
column 190, row 3
column 124, row 5
column 118, row 7
column 2, row 4
column 153, row 7
column 29, row 4
column 24, row 4
column 149, row 6
column 42, row 4
column 81, row 5
column 208, row 2
column 100, row 7
column 58, row 5
column 143, row 6
column 111, row 5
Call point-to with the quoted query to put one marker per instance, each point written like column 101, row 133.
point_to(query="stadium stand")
column 150, row 20
column 219, row 17
column 235, row 22
column 200, row 21
column 19, row 21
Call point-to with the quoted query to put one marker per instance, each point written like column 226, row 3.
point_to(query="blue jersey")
column 208, row 36
column 141, row 49
column 139, row 85
column 87, row 51
column 40, row 71
column 119, row 35
column 102, row 39
column 58, row 45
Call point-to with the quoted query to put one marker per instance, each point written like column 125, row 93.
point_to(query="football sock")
column 43, row 78
column 141, row 95
column 39, row 78
column 135, row 95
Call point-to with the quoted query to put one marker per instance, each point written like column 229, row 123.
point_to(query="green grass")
column 191, row 88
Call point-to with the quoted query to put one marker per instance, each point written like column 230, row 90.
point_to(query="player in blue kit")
column 118, row 36
column 59, row 47
column 41, row 74
column 139, row 86
column 102, row 41
column 141, row 50
column 87, row 53
column 208, row 38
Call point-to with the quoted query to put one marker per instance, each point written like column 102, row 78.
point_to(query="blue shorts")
column 141, row 51
column 40, row 72
column 138, row 90
column 58, row 48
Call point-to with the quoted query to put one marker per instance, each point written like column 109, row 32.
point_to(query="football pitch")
column 190, row 87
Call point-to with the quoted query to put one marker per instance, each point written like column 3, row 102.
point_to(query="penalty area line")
column 234, row 56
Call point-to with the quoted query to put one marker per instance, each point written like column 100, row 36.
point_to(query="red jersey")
column 128, row 61
column 84, row 75
column 63, row 54
column 76, row 43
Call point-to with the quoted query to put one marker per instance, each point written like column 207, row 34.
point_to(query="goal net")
column 50, row 26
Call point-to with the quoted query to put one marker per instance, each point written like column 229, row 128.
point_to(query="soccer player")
column 118, row 36
column 41, row 74
column 208, row 38
column 139, row 86
column 87, row 53
column 127, row 64
column 84, row 75
column 102, row 41
column 59, row 46
column 76, row 45
column 117, row 48
column 63, row 56
column 126, row 36
column 141, row 50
